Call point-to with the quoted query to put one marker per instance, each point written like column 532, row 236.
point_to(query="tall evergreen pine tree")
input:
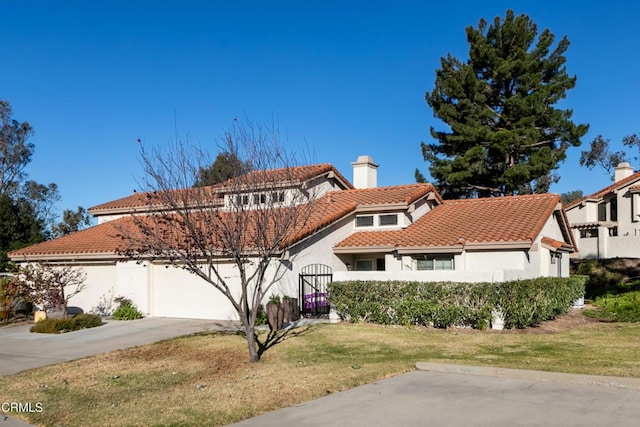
column 505, row 136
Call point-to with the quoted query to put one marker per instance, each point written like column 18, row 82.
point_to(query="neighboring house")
column 606, row 224
column 358, row 232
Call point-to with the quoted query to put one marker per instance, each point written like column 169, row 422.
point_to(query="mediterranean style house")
column 361, row 232
column 606, row 224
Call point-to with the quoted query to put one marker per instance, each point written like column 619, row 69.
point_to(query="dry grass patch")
column 206, row 379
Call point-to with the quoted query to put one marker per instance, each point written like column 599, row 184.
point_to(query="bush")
column 126, row 310
column 58, row 326
column 261, row 316
column 444, row 304
column 601, row 279
column 617, row 308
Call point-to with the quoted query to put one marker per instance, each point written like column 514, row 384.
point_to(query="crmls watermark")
column 21, row 407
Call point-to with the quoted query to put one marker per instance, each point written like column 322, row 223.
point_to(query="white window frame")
column 365, row 225
column 395, row 215
column 434, row 259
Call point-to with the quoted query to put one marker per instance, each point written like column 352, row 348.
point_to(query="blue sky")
column 342, row 78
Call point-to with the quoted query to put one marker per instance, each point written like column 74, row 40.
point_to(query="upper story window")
column 602, row 211
column 277, row 197
column 613, row 209
column 364, row 221
column 390, row 219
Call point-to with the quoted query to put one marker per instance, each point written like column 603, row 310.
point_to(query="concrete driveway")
column 464, row 396
column 21, row 350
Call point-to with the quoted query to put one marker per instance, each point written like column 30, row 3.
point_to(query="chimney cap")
column 364, row 160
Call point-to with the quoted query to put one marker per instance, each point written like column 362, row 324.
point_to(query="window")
column 602, row 211
column 244, row 200
column 435, row 262
column 613, row 209
column 380, row 264
column 364, row 265
column 364, row 221
column 277, row 197
column 256, row 199
column 390, row 219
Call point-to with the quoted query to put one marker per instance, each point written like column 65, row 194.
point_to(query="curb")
column 522, row 374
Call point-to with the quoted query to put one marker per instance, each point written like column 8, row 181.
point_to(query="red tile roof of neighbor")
column 282, row 175
column 102, row 239
column 456, row 223
column 598, row 195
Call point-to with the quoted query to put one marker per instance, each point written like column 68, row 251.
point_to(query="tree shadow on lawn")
column 274, row 338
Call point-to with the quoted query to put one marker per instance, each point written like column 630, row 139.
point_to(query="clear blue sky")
column 343, row 78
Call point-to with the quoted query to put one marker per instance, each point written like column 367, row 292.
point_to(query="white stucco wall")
column 100, row 285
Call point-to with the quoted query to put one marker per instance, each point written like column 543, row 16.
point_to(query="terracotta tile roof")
column 469, row 221
column 283, row 175
column 336, row 204
column 556, row 244
column 101, row 239
column 286, row 175
column 598, row 195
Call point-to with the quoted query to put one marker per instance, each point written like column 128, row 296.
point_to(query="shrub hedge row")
column 443, row 304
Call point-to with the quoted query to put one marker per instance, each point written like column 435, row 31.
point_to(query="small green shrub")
column 618, row 308
column 261, row 317
column 126, row 310
column 58, row 326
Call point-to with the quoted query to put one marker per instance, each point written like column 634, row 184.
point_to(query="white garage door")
column 177, row 293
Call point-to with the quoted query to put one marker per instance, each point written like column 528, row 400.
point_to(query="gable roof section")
column 598, row 195
column 95, row 242
column 337, row 204
column 101, row 241
column 513, row 221
column 286, row 176
column 143, row 201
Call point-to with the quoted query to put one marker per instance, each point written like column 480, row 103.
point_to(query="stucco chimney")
column 622, row 171
column 365, row 172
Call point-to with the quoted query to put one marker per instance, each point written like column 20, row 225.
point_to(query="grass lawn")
column 206, row 380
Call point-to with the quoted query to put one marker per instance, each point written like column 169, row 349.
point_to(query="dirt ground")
column 572, row 319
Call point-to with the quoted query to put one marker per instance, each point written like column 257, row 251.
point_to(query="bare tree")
column 247, row 221
column 48, row 285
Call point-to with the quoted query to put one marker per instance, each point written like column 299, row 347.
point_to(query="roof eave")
column 40, row 257
column 363, row 249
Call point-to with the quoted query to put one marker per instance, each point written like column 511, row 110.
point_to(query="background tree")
column 15, row 151
column 72, row 221
column 226, row 166
column 570, row 196
column 251, row 232
column 600, row 154
column 19, row 227
column 27, row 208
column 504, row 134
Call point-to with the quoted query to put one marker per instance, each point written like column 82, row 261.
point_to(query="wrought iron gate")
column 314, row 279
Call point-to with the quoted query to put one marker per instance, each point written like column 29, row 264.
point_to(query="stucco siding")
column 100, row 284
